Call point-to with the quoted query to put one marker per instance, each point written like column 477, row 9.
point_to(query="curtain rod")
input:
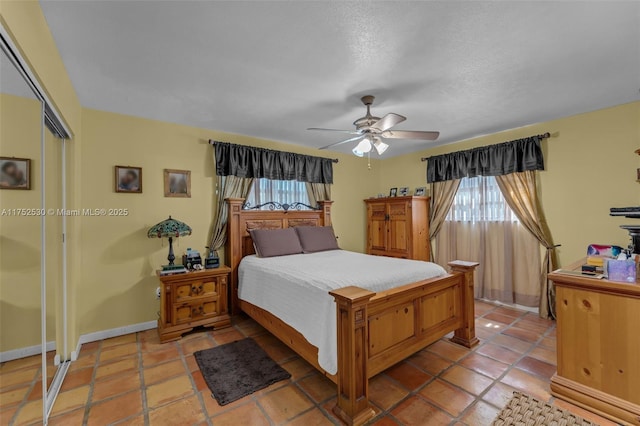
column 542, row 136
column 335, row 160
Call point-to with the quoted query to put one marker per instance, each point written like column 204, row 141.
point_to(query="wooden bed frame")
column 375, row 330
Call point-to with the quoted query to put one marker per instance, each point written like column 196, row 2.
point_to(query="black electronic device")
column 212, row 260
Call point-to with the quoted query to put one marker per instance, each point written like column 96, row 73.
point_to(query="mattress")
column 295, row 289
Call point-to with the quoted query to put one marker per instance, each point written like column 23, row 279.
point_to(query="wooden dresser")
column 398, row 227
column 197, row 298
column 598, row 338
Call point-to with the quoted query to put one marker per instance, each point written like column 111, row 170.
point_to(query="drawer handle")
column 196, row 290
column 197, row 311
column 586, row 304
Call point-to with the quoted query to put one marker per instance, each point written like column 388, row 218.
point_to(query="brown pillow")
column 275, row 242
column 317, row 238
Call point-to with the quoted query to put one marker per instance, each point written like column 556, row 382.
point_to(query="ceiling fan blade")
column 350, row 132
column 388, row 121
column 410, row 134
column 357, row 138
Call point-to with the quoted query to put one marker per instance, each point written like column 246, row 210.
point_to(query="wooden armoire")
column 398, row 227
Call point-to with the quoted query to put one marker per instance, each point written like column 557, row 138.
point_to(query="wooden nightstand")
column 197, row 298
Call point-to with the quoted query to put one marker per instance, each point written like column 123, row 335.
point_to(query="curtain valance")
column 251, row 162
column 494, row 160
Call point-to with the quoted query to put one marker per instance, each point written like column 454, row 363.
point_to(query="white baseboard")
column 113, row 332
column 512, row 305
column 25, row 352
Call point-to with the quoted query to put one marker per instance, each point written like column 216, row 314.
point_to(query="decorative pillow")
column 275, row 242
column 317, row 238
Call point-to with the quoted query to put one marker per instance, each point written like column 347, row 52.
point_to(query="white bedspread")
column 296, row 289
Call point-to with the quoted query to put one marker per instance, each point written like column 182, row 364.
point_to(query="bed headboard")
column 240, row 221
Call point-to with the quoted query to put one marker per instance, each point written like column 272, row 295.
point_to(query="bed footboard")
column 378, row 330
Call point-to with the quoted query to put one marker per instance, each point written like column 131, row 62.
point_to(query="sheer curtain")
column 480, row 226
column 279, row 191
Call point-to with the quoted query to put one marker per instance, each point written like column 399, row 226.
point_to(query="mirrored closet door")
column 33, row 325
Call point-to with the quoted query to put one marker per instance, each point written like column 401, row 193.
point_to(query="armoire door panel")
column 398, row 227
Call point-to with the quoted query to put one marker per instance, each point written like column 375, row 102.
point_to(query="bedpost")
column 353, row 346
column 326, row 212
column 466, row 335
column 233, row 247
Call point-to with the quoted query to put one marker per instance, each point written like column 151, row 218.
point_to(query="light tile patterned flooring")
column 135, row 380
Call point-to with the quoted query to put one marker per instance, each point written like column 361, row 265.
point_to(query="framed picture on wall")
column 393, row 192
column 15, row 173
column 177, row 183
column 420, row 191
column 404, row 191
column 128, row 179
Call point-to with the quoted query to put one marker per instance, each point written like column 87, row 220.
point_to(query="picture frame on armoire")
column 393, row 192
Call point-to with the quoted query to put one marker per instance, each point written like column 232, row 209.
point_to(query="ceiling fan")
column 371, row 130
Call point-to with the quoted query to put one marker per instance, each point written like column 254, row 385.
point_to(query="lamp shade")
column 364, row 145
column 380, row 146
column 169, row 228
column 356, row 152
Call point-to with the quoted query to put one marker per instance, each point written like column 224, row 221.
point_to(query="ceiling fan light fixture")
column 380, row 146
column 364, row 146
column 357, row 153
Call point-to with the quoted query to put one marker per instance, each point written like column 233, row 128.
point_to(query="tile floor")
column 135, row 380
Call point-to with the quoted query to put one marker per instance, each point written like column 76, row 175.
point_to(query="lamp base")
column 171, row 256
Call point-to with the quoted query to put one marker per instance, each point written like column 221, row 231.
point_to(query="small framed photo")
column 15, row 173
column 177, row 183
column 420, row 191
column 404, row 191
column 393, row 192
column 128, row 179
column 638, row 174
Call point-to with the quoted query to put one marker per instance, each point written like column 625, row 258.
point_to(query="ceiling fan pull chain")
column 369, row 160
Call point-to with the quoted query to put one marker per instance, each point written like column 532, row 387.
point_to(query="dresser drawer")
column 183, row 292
column 195, row 311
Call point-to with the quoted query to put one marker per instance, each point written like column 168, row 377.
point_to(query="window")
column 279, row 191
column 479, row 200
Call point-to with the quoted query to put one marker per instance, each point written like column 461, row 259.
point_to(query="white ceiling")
column 272, row 69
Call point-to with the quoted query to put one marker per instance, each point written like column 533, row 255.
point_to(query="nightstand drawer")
column 198, row 288
column 195, row 311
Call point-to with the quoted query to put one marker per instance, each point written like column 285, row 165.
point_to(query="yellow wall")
column 118, row 276
column 27, row 27
column 19, row 235
column 590, row 167
column 20, row 230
